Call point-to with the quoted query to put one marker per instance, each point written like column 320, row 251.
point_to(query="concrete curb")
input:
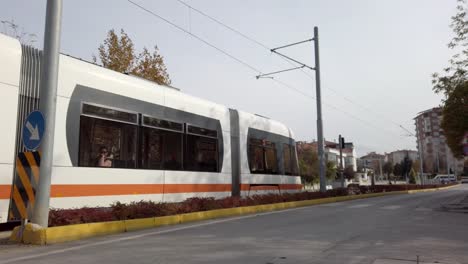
column 32, row 234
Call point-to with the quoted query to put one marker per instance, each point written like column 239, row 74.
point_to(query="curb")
column 34, row 234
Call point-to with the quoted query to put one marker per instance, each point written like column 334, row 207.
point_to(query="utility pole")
column 321, row 150
column 421, row 166
column 341, row 144
column 321, row 147
column 47, row 105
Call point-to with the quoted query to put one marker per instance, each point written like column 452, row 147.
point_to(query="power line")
column 245, row 36
column 245, row 64
column 197, row 37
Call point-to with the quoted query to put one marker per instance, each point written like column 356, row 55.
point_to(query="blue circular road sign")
column 33, row 130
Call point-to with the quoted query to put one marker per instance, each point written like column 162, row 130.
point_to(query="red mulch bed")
column 143, row 209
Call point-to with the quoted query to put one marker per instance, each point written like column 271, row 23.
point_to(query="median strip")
column 33, row 234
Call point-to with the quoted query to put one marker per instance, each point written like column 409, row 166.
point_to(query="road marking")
column 359, row 206
column 159, row 232
column 391, row 207
column 423, row 209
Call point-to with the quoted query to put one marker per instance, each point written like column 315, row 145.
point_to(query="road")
column 384, row 230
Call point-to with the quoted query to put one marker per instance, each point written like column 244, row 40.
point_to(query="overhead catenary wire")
column 242, row 62
column 263, row 45
column 195, row 36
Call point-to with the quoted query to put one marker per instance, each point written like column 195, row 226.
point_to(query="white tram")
column 122, row 138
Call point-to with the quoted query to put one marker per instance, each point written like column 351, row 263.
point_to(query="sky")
column 376, row 57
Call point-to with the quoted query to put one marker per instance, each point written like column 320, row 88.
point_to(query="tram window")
column 97, row 111
column 161, row 149
column 202, row 131
column 164, row 124
column 287, row 159
column 262, row 156
column 271, row 160
column 257, row 163
column 105, row 143
column 201, row 153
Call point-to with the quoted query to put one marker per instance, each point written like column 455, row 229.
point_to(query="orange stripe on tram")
column 5, row 191
column 77, row 190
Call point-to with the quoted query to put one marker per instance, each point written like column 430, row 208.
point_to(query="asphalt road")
column 385, row 230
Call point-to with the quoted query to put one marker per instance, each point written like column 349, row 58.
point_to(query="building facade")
column 398, row 156
column 373, row 161
column 332, row 152
column 437, row 157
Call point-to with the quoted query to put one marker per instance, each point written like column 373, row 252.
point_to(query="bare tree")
column 10, row 28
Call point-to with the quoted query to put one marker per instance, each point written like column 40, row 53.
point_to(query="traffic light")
column 342, row 143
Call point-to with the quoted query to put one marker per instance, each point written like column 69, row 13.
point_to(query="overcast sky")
column 376, row 56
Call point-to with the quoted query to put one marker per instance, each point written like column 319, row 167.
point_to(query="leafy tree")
column 397, row 169
column 455, row 119
column 331, row 170
column 406, row 165
column 456, row 73
column 454, row 81
column 349, row 172
column 416, row 166
column 387, row 168
column 412, row 177
column 308, row 165
column 118, row 53
column 151, row 67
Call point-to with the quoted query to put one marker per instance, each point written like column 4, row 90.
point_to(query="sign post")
column 33, row 130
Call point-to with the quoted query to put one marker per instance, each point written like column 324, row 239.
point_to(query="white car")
column 444, row 179
column 464, row 180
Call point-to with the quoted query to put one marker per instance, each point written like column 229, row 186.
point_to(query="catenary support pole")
column 48, row 100
column 321, row 152
column 341, row 162
column 421, row 165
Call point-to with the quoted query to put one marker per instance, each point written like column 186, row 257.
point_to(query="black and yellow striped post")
column 24, row 185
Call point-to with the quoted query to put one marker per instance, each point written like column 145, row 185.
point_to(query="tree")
column 456, row 73
column 406, row 165
column 349, row 172
column 455, row 119
column 416, row 166
column 12, row 29
column 331, row 170
column 397, row 170
column 412, row 177
column 151, row 67
column 308, row 166
column 387, row 168
column 118, row 53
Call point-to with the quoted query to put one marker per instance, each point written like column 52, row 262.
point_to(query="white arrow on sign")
column 34, row 131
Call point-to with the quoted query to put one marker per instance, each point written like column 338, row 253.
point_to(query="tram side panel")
column 77, row 185
column 262, row 148
column 10, row 57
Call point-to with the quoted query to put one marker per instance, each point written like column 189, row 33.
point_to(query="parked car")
column 445, row 179
column 464, row 179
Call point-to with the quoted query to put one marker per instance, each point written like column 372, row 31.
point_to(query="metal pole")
column 321, row 152
column 447, row 159
column 48, row 101
column 341, row 162
column 421, row 167
column 380, row 168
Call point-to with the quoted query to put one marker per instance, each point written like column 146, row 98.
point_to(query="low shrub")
column 144, row 209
